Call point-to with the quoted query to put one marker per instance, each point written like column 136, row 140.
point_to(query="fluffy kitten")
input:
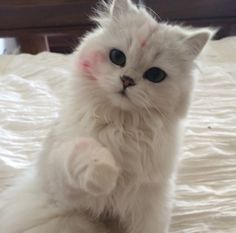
column 109, row 163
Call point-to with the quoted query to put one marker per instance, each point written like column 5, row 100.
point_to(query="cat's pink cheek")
column 91, row 64
column 86, row 67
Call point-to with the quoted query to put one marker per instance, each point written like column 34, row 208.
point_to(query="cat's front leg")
column 83, row 164
column 151, row 214
column 156, row 221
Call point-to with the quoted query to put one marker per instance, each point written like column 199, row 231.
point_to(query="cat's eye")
column 154, row 75
column 117, row 57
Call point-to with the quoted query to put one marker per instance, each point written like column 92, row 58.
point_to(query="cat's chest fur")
column 142, row 143
column 136, row 140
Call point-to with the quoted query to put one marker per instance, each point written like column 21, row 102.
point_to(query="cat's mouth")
column 123, row 99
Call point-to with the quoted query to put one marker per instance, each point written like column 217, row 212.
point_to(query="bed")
column 32, row 88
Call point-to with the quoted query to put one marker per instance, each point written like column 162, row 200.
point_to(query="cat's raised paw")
column 94, row 168
column 101, row 177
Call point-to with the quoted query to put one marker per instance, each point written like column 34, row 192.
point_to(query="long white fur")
column 109, row 163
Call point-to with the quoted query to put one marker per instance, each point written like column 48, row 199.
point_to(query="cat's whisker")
column 151, row 12
column 163, row 115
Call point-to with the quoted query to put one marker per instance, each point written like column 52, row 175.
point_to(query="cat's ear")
column 195, row 42
column 119, row 7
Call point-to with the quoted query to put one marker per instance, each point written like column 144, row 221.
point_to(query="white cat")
column 109, row 163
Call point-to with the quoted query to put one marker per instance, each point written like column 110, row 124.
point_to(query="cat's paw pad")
column 102, row 174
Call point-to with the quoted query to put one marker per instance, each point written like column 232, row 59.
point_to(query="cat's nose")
column 127, row 81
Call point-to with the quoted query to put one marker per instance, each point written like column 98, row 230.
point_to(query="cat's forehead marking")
column 145, row 33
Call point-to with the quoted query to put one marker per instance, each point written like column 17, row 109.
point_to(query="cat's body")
column 109, row 163
column 143, row 181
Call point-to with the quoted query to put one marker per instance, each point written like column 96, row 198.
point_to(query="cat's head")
column 131, row 61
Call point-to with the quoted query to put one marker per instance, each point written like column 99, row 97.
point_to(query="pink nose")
column 127, row 81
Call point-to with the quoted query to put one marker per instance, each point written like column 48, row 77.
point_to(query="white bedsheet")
column 32, row 87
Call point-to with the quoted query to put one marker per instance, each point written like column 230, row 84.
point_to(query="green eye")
column 154, row 75
column 117, row 57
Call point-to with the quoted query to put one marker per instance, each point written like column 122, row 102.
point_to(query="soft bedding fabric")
column 32, row 88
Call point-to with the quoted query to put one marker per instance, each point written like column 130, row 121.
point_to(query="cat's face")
column 132, row 61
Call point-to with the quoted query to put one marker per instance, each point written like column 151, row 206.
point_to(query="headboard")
column 56, row 24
